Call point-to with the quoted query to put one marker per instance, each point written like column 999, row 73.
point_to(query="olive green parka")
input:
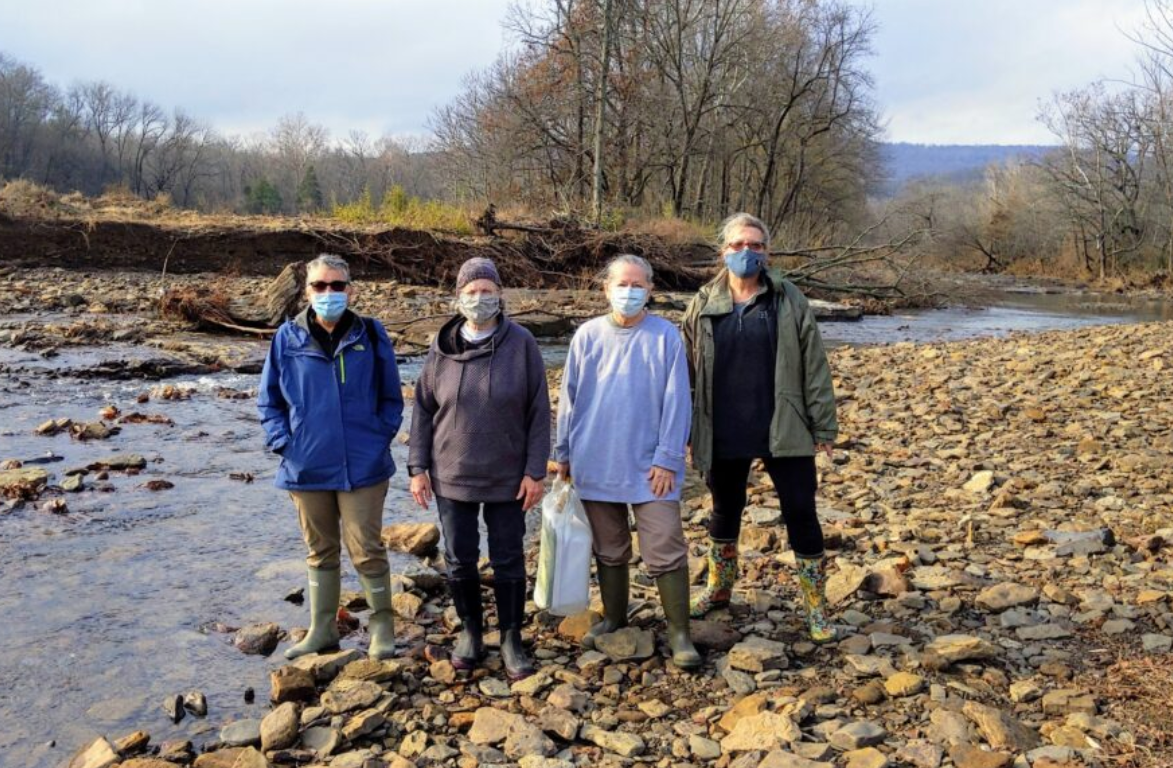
column 804, row 397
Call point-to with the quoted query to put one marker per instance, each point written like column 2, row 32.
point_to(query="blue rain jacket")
column 331, row 420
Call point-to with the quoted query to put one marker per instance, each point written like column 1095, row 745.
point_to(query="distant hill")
column 951, row 162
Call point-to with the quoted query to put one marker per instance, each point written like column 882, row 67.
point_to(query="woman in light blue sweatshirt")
column 623, row 422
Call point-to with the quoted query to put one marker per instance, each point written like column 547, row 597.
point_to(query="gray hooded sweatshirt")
column 482, row 414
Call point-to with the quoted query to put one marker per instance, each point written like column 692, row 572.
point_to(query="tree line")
column 690, row 108
column 91, row 136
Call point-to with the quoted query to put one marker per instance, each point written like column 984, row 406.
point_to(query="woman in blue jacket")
column 330, row 403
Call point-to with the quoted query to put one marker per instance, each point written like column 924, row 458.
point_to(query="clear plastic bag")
column 562, row 586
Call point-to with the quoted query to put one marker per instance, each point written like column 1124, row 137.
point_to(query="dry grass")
column 1134, row 690
column 672, row 230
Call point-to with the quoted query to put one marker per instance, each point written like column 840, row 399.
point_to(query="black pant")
column 795, row 481
column 505, row 521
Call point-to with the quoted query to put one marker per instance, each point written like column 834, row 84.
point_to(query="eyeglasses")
column 741, row 245
column 320, row 286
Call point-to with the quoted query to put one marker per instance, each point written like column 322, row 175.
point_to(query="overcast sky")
column 947, row 71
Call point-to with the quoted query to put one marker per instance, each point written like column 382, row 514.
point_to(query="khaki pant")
column 661, row 534
column 359, row 514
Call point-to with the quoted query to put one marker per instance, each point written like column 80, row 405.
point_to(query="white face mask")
column 478, row 308
column 628, row 301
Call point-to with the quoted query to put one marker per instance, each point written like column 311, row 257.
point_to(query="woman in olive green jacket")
column 761, row 390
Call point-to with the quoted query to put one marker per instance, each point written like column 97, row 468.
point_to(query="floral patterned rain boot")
column 812, row 577
column 722, row 577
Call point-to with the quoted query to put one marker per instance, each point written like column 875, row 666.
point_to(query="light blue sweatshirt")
column 625, row 406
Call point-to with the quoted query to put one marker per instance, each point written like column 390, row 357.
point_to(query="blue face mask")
column 628, row 301
column 329, row 306
column 745, row 263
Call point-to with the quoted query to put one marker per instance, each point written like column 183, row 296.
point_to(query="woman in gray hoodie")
column 480, row 439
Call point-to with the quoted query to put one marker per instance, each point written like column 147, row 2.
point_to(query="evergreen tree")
column 263, row 198
column 309, row 192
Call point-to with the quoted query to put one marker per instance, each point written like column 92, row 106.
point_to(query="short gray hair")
column 628, row 258
column 736, row 221
column 329, row 261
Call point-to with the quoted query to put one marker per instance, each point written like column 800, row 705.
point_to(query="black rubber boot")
column 674, row 600
column 470, row 646
column 614, row 586
column 510, row 616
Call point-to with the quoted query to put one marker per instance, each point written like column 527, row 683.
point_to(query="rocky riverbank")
column 998, row 513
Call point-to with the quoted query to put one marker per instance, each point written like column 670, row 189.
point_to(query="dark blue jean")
column 505, row 521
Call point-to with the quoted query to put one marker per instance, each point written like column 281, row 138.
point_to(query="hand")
column 530, row 492
column 564, row 470
column 663, row 481
column 826, row 448
column 421, row 489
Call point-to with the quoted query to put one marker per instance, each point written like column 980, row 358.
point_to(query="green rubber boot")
column 722, row 576
column 614, row 586
column 674, row 600
column 381, row 625
column 325, row 586
column 812, row 577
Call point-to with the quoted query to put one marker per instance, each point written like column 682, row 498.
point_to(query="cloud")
column 947, row 71
column 961, row 72
column 379, row 65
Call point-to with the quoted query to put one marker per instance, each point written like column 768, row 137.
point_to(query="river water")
column 103, row 610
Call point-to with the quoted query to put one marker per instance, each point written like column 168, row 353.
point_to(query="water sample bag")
column 564, row 560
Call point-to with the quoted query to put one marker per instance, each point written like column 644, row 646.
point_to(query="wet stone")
column 173, row 706
column 241, row 733
column 322, row 740
column 132, row 743
column 196, row 703
column 259, row 639
column 22, row 483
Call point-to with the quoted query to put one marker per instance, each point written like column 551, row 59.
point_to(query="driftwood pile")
column 211, row 308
